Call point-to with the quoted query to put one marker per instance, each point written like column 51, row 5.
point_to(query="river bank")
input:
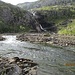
column 47, row 38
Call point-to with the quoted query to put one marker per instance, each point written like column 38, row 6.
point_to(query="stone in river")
column 17, row 66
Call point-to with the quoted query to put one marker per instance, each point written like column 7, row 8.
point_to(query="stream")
column 51, row 60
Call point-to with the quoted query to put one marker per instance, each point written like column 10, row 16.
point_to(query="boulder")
column 17, row 66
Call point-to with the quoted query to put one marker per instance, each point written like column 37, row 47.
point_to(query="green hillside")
column 70, row 29
column 15, row 19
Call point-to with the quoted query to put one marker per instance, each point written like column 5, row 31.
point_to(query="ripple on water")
column 51, row 60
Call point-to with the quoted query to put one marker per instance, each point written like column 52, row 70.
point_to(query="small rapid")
column 51, row 60
column 10, row 39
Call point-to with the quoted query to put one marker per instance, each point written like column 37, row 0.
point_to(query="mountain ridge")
column 40, row 3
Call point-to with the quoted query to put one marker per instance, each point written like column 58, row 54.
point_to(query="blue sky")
column 14, row 2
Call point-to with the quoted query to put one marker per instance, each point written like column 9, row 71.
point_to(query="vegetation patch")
column 70, row 29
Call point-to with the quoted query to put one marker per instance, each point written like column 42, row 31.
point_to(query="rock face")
column 14, row 19
column 43, row 17
column 17, row 66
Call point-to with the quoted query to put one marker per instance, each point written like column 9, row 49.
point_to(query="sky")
column 14, row 2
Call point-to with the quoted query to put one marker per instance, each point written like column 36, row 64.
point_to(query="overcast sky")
column 14, row 2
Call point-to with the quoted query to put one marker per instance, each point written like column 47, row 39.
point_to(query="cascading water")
column 34, row 14
column 51, row 60
column 10, row 39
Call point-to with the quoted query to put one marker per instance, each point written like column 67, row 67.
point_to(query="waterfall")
column 34, row 14
column 42, row 28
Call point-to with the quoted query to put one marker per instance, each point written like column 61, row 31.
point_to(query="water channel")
column 51, row 60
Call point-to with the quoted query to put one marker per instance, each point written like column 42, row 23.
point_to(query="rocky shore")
column 17, row 66
column 47, row 38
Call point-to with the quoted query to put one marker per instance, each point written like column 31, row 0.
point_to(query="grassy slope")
column 70, row 29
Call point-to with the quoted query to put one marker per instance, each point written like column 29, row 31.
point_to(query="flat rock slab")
column 17, row 66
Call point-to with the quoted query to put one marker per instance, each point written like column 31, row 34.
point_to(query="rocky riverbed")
column 47, row 38
column 17, row 66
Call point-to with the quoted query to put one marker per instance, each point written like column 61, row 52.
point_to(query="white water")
column 10, row 39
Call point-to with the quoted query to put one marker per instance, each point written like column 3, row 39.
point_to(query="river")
column 51, row 60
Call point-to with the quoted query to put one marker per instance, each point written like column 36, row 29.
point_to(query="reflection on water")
column 51, row 60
